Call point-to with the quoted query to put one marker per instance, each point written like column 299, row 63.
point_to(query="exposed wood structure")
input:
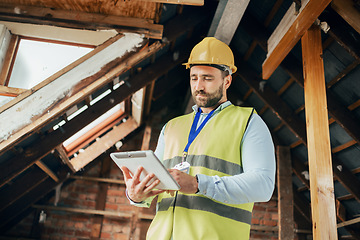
column 149, row 87
column 227, row 18
column 79, row 71
column 289, row 32
column 320, row 164
column 78, row 19
column 348, row 11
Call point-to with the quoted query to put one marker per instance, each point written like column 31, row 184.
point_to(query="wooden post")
column 285, row 194
column 318, row 137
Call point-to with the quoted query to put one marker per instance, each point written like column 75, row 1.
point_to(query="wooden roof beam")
column 348, row 11
column 29, row 198
column 296, row 125
column 289, row 31
column 292, row 66
column 78, row 19
column 103, row 144
column 10, row 91
column 227, row 18
column 182, row 2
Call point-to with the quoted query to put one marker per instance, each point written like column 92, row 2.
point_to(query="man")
column 228, row 150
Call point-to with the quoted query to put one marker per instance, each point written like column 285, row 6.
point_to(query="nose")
column 199, row 85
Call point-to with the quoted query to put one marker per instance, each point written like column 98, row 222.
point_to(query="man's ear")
column 227, row 81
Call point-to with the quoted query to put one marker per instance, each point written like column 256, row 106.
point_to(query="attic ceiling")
column 149, row 76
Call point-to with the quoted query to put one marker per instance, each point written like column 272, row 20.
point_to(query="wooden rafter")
column 227, row 18
column 281, row 43
column 10, row 91
column 347, row 179
column 77, row 19
column 182, row 2
column 292, row 66
column 104, row 143
column 348, row 11
column 29, row 198
column 342, row 32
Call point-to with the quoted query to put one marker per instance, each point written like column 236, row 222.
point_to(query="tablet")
column 151, row 164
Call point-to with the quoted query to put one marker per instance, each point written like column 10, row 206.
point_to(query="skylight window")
column 36, row 61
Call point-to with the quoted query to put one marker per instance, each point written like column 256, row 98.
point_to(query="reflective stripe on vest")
column 215, row 151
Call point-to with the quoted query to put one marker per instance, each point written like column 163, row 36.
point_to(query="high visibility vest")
column 215, row 151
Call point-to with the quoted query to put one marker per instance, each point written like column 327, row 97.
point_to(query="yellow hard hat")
column 211, row 51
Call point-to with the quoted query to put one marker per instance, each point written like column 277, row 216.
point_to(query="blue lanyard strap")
column 193, row 131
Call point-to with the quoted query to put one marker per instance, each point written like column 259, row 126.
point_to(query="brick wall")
column 82, row 194
column 264, row 217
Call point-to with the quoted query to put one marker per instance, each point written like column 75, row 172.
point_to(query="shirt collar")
column 218, row 109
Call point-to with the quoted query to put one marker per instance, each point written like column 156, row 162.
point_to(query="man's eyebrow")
column 202, row 75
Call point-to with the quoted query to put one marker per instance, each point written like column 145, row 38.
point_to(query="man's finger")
column 126, row 173
column 138, row 173
column 152, row 186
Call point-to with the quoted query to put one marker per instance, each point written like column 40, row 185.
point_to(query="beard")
column 208, row 99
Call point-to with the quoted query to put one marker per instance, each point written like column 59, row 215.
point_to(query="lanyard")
column 194, row 132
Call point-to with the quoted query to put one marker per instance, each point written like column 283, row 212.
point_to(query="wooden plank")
column 79, row 19
column 10, row 91
column 350, row 182
column 343, row 73
column 47, row 170
column 347, row 9
column 23, row 184
column 54, row 98
column 342, row 32
column 343, row 146
column 227, row 18
column 285, row 194
column 31, row 197
column 60, row 151
column 302, row 205
column 354, row 105
column 92, row 211
column 182, row 2
column 100, row 146
column 8, row 61
column 97, row 179
column 349, row 222
column 319, row 149
column 301, row 171
column 93, row 133
column 284, row 42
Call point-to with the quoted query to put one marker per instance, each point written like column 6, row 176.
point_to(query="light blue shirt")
column 256, row 183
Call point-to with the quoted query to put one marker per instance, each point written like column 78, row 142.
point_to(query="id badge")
column 183, row 166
